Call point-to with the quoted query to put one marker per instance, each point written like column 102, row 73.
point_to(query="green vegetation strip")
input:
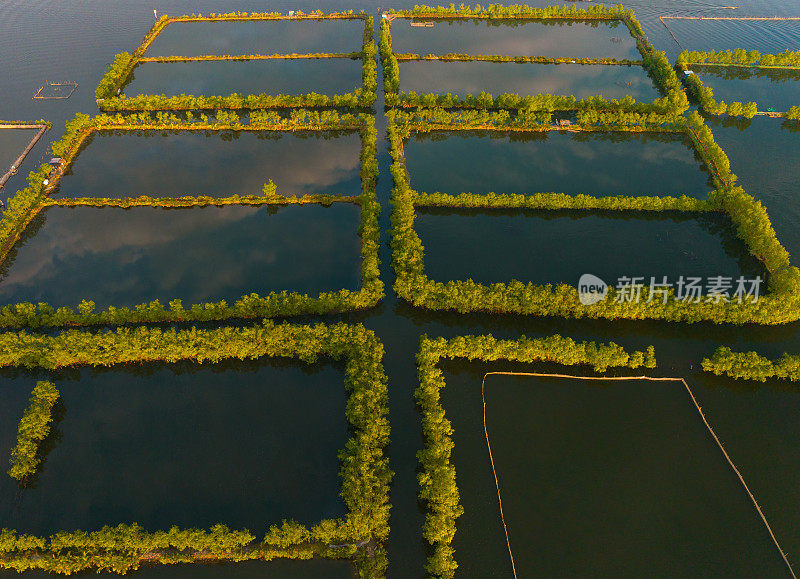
column 752, row 366
column 655, row 63
column 438, row 489
column 748, row 216
column 33, row 429
column 119, row 71
column 454, row 57
column 293, row 56
column 27, row 203
column 704, row 95
column 365, row 473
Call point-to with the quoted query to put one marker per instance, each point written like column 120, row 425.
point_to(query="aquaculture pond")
column 224, row 77
column 171, row 444
column 12, row 143
column 124, row 257
column 215, row 163
column 490, row 246
column 576, row 39
column 610, row 478
column 601, row 163
column 778, row 90
column 246, row 37
column 756, row 422
column 611, row 81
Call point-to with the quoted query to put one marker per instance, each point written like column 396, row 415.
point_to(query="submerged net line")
column 617, row 378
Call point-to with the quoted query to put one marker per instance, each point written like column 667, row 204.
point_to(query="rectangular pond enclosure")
column 516, row 37
column 245, row 444
column 213, row 163
column 620, row 478
column 245, row 77
column 124, row 257
column 592, row 163
column 778, row 90
column 580, row 80
column 560, row 246
column 245, row 37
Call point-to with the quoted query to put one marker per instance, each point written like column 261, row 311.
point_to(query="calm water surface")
column 599, row 164
column 778, row 90
column 758, row 423
column 265, row 37
column 12, row 143
column 125, row 257
column 224, row 77
column 526, row 78
column 219, row 164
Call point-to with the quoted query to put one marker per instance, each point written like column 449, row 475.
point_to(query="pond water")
column 167, row 445
column 124, row 257
column 600, row 164
column 516, row 38
column 527, row 78
column 606, row 479
column 219, row 164
column 12, row 143
column 558, row 247
column 757, row 422
column 224, row 77
column 258, row 37
column 767, row 36
column 778, row 90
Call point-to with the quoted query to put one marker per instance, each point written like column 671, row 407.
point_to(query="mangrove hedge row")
column 33, row 429
column 654, row 62
column 704, row 95
column 364, row 473
column 437, row 479
column 752, row 366
column 110, row 98
column 26, row 204
column 741, row 57
column 749, row 218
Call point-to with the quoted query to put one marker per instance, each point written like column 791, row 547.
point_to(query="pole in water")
column 155, row 13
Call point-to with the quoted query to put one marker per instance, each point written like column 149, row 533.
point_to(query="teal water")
column 224, row 77
column 600, row 164
column 526, row 79
column 124, row 257
column 577, row 502
column 193, row 445
column 527, row 38
column 778, row 90
column 558, row 247
column 257, row 37
column 218, row 164
column 756, row 422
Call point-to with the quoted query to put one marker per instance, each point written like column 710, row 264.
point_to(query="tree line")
column 437, row 479
column 740, row 57
column 749, row 218
column 364, row 473
column 752, row 366
column 27, row 203
column 704, row 95
column 33, row 429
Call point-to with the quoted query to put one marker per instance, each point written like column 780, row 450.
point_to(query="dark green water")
column 124, row 257
column 224, row 77
column 778, row 90
column 558, row 247
column 758, row 423
column 576, row 502
column 530, row 38
column 12, row 143
column 253, row 37
column 598, row 164
column 183, row 445
column 526, row 78
column 172, row 164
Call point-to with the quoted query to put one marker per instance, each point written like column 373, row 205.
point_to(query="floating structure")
column 56, row 90
column 422, row 24
column 15, row 165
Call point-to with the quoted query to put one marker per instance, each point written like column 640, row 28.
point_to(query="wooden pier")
column 15, row 165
